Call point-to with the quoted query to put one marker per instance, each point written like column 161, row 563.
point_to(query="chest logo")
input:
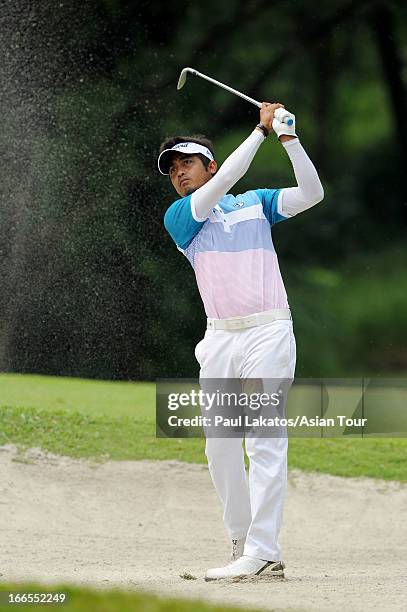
column 238, row 204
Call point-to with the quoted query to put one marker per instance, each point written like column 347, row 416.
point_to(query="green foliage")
column 357, row 324
column 91, row 284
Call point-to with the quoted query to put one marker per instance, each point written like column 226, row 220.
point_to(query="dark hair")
column 171, row 141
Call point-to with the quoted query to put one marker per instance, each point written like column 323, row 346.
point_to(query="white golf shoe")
column 246, row 566
column 237, row 549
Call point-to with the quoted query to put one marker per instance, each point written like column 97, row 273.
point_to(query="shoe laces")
column 236, row 544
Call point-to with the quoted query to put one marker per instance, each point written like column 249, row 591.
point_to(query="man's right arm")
column 232, row 169
column 178, row 220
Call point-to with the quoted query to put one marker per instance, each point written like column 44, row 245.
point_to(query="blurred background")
column 91, row 285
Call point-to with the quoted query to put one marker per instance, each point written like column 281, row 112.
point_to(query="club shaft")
column 238, row 93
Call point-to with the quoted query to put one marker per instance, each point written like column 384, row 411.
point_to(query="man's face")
column 187, row 173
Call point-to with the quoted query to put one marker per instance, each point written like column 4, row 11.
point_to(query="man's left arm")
column 309, row 190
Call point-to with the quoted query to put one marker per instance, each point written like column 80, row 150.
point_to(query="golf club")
column 183, row 77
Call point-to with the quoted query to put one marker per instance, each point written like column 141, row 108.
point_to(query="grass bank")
column 114, row 420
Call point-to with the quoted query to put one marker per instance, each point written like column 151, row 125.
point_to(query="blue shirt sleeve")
column 269, row 198
column 180, row 224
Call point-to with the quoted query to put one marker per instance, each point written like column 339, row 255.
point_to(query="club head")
column 183, row 77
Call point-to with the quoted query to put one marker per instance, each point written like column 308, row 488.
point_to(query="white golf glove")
column 279, row 126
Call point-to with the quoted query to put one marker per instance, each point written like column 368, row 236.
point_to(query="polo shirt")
column 232, row 252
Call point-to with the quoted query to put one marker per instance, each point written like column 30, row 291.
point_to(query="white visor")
column 182, row 147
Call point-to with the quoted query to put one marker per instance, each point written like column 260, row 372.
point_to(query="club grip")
column 286, row 119
column 284, row 116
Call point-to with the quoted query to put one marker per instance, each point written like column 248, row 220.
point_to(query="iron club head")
column 183, row 77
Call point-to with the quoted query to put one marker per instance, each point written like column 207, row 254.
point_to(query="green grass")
column 87, row 396
column 87, row 436
column 377, row 458
column 114, row 421
column 85, row 600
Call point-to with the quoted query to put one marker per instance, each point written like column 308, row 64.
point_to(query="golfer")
column 249, row 334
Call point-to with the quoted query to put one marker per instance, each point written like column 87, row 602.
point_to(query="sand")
column 140, row 525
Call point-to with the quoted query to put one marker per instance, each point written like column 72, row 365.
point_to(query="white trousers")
column 253, row 508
